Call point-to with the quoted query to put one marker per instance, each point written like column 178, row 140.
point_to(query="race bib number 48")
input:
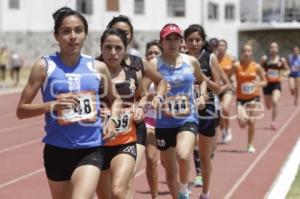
column 85, row 111
column 176, row 106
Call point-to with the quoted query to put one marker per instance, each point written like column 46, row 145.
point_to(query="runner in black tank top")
column 122, row 22
column 195, row 40
column 273, row 65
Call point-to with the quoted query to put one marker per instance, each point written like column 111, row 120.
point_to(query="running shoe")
column 273, row 126
column 184, row 195
column 224, row 135
column 198, row 181
column 251, row 149
column 228, row 137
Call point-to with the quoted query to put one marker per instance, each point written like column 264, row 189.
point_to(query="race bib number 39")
column 248, row 88
column 124, row 120
column 176, row 106
column 85, row 111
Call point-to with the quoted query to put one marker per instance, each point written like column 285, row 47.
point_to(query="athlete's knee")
column 119, row 191
column 225, row 109
column 184, row 156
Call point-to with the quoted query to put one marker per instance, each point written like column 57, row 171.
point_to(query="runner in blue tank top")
column 294, row 76
column 177, row 121
column 69, row 82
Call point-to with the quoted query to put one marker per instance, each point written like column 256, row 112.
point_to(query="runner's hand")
column 200, row 101
column 65, row 103
column 109, row 130
column 139, row 115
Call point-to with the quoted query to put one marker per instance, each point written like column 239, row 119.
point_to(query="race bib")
column 177, row 106
column 248, row 88
column 85, row 111
column 273, row 74
column 124, row 120
column 295, row 68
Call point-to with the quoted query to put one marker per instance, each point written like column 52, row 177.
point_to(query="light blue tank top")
column 64, row 79
column 294, row 63
column 181, row 80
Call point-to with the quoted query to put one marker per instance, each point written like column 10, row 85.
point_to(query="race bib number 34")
column 176, row 106
column 85, row 111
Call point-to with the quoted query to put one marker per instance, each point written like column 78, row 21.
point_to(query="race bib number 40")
column 85, row 111
column 248, row 88
column 176, row 106
column 124, row 120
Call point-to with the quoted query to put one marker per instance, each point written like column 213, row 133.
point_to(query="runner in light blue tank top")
column 181, row 80
column 177, row 120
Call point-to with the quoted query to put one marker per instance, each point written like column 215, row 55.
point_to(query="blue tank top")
column 64, row 79
column 181, row 81
column 294, row 63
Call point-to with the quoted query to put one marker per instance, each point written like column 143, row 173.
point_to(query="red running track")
column 236, row 174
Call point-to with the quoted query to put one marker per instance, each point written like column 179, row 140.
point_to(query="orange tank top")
column 226, row 63
column 125, row 129
column 245, row 75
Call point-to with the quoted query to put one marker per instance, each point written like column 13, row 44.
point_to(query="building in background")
column 264, row 21
column 26, row 25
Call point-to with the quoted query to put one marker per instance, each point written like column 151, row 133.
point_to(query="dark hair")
column 63, row 12
column 213, row 44
column 154, row 42
column 113, row 31
column 196, row 28
column 120, row 18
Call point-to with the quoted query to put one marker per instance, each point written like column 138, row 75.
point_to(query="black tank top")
column 273, row 65
column 136, row 63
column 204, row 60
column 125, row 89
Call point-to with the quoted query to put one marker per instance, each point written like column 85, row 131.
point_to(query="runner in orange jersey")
column 225, row 62
column 250, row 77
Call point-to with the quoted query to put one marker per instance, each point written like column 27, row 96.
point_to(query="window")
column 112, row 5
column 14, row 4
column 176, row 8
column 139, row 6
column 213, row 11
column 229, row 12
column 85, row 6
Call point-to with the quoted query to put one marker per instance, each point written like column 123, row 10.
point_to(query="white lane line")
column 286, row 176
column 21, row 178
column 20, row 145
column 3, row 130
column 259, row 157
column 10, row 92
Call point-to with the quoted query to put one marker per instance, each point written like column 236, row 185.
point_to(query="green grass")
column 294, row 192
